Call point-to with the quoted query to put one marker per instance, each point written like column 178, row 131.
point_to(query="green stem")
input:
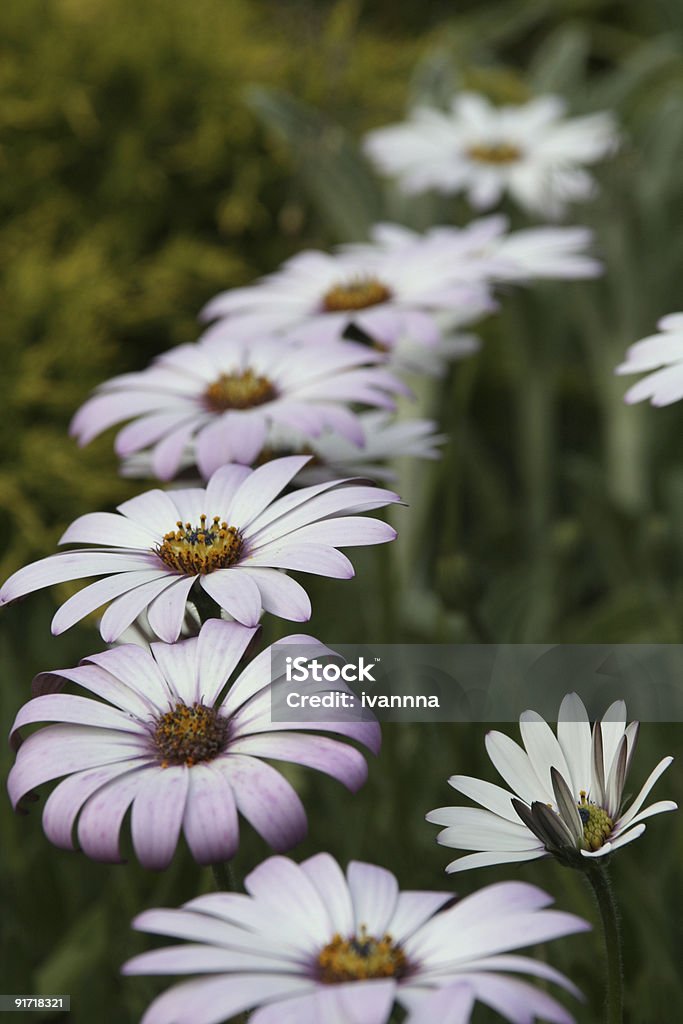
column 224, row 877
column 598, row 878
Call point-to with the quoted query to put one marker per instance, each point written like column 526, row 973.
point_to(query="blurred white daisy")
column 566, row 795
column 531, row 151
column 333, row 455
column 663, row 354
column 390, row 295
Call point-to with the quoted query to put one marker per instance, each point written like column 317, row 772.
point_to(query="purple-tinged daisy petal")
column 337, row 946
column 154, row 733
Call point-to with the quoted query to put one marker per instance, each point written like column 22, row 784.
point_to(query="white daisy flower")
column 663, row 355
column 310, row 944
column 565, row 796
column 391, row 296
column 221, row 398
column 532, row 151
column 333, row 455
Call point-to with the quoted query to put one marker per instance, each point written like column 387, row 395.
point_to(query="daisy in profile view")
column 565, row 796
column 532, row 152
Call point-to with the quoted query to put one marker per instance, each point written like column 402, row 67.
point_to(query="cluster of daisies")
column 275, row 432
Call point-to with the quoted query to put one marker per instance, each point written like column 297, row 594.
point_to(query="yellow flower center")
column 356, row 294
column 238, row 391
column 200, row 549
column 360, row 958
column 190, row 734
column 597, row 824
column 495, row 153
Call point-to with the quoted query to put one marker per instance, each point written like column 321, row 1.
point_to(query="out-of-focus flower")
column 332, row 455
column 663, row 354
column 309, row 945
column 232, row 539
column 524, row 256
column 452, row 1004
column 532, row 151
column 567, row 793
column 393, row 297
column 163, row 737
column 221, row 400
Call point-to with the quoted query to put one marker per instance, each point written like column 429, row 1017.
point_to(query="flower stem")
column 598, row 878
column 224, row 877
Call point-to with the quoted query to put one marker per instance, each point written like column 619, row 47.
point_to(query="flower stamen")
column 360, row 958
column 358, row 293
column 495, row 153
column 597, row 824
column 200, row 549
column 239, row 391
column 190, row 734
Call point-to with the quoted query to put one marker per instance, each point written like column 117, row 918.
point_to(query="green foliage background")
column 151, row 155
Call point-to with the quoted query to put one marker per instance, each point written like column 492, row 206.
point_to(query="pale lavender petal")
column 135, row 668
column 452, row 1004
column 266, row 800
column 96, row 594
column 280, row 594
column 109, row 529
column 71, row 565
column 67, row 708
column 222, row 488
column 210, row 822
column 125, row 609
column 330, row 882
column 168, row 452
column 215, row 1000
column 63, row 749
column 347, row 531
column 516, row 1000
column 235, row 437
column 318, row 559
column 365, row 1002
column 158, row 811
column 337, row 759
column 154, row 510
column 283, row 889
column 100, row 821
column 166, row 612
column 413, row 909
column 221, row 645
column 67, row 799
column 235, row 592
column 262, row 487
column 178, row 666
column 374, row 892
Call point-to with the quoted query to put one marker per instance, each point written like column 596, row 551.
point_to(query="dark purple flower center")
column 190, row 734
column 495, row 153
column 360, row 958
column 239, row 391
column 200, row 549
column 357, row 294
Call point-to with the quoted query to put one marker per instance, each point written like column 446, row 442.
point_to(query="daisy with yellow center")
column 312, row 943
column 565, row 797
